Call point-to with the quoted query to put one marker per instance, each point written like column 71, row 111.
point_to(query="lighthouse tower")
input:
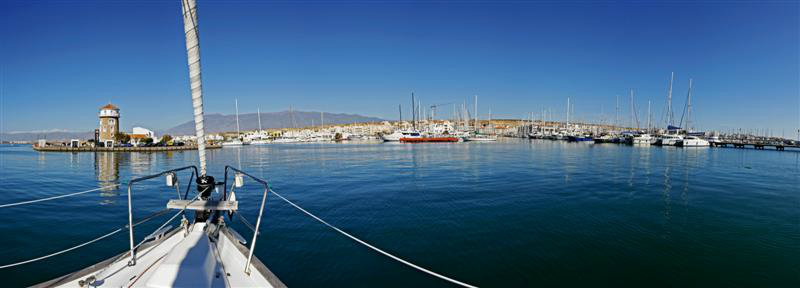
column 109, row 124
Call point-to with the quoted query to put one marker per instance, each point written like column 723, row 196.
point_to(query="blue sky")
column 61, row 60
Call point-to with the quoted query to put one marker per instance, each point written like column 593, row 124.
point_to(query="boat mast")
column 476, row 113
column 689, row 108
column 259, row 119
column 670, row 117
column 634, row 115
column 237, row 118
column 413, row 111
column 616, row 114
column 189, row 8
column 648, row 116
column 567, row 113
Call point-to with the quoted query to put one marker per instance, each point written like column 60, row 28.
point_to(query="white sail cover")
column 189, row 8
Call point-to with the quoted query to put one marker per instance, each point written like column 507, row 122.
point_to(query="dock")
column 754, row 145
column 54, row 148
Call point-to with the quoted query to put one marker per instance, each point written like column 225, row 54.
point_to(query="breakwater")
column 53, row 148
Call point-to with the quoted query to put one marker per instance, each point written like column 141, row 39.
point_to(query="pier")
column 755, row 145
column 54, row 148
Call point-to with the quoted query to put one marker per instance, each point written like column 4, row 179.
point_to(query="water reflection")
column 667, row 196
column 106, row 166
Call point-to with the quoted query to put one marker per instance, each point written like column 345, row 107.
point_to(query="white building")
column 139, row 134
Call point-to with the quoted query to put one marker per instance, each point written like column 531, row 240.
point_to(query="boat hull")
column 429, row 139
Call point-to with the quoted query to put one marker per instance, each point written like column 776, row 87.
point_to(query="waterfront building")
column 139, row 134
column 109, row 124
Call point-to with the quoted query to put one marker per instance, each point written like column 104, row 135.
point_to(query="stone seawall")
column 119, row 149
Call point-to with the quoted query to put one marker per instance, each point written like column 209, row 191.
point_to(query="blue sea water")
column 515, row 213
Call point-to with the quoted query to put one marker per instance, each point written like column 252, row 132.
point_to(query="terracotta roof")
column 138, row 136
column 109, row 106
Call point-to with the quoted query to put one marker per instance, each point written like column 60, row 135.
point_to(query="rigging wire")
column 57, row 197
column 362, row 242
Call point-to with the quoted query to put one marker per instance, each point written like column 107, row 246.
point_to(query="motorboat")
column 603, row 139
column 233, row 143
column 481, row 138
column 401, row 134
column 692, row 141
column 579, row 138
column 641, row 139
column 669, row 139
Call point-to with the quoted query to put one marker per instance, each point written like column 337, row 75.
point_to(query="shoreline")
column 119, row 149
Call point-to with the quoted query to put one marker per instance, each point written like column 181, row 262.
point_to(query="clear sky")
column 62, row 60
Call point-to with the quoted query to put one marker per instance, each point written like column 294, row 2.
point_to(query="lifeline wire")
column 412, row 265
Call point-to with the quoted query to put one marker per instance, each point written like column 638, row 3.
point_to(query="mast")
column 648, row 115
column 634, row 115
column 670, row 117
column 689, row 108
column 476, row 113
column 322, row 119
column 400, row 109
column 189, row 8
column 259, row 119
column 413, row 111
column 237, row 117
column 616, row 114
column 567, row 113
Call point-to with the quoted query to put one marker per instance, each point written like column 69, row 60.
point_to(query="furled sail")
column 189, row 8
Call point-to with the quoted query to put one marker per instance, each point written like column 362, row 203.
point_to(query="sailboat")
column 670, row 138
column 238, row 140
column 260, row 136
column 478, row 137
column 691, row 140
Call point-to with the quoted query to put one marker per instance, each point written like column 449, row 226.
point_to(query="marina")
column 621, row 205
column 112, row 179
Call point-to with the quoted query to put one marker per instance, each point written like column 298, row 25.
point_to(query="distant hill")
column 215, row 123
column 53, row 136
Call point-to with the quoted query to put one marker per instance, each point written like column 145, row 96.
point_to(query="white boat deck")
column 178, row 259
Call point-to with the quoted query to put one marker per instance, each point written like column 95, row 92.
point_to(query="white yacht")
column 481, row 137
column 692, row 141
column 397, row 135
column 232, row 143
column 202, row 254
column 287, row 140
column 670, row 139
column 641, row 139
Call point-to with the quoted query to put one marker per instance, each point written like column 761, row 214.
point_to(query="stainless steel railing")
column 260, row 210
column 132, row 262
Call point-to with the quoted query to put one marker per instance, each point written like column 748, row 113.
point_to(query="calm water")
column 512, row 213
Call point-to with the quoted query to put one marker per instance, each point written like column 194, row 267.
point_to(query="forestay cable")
column 412, row 265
